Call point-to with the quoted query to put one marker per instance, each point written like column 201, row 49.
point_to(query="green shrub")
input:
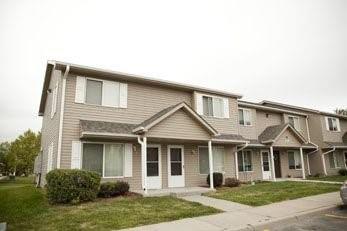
column 107, row 189
column 112, row 189
column 72, row 185
column 217, row 179
column 343, row 172
column 122, row 187
column 232, row 182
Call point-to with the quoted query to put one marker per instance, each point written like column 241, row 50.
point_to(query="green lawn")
column 269, row 192
column 25, row 207
column 337, row 178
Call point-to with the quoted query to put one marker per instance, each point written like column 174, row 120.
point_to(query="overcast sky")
column 289, row 51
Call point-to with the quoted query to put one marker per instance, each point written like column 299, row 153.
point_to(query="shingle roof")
column 271, row 132
column 106, row 127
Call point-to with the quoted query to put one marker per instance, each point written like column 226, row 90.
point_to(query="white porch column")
column 272, row 164
column 210, row 158
column 144, row 163
column 308, row 164
column 302, row 163
column 236, row 166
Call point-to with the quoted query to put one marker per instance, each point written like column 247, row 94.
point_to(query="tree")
column 4, row 147
column 341, row 111
column 22, row 153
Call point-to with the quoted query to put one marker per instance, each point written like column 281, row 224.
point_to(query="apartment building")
column 157, row 134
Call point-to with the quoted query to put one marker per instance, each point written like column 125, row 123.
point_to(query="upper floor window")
column 332, row 124
column 94, row 92
column 245, row 117
column 101, row 92
column 294, row 121
column 212, row 106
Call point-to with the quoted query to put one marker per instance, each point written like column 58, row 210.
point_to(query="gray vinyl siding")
column 179, row 125
column 143, row 102
column 50, row 126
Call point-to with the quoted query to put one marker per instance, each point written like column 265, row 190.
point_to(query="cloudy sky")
column 291, row 51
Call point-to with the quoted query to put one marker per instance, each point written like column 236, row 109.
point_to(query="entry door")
column 175, row 166
column 153, row 167
column 265, row 160
column 277, row 162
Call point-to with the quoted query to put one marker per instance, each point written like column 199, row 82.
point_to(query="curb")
column 290, row 218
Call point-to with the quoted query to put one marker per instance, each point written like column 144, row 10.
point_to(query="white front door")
column 265, row 163
column 153, row 167
column 175, row 166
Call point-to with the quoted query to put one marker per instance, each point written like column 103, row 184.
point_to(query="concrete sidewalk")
column 250, row 217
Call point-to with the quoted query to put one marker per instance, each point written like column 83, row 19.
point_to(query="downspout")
column 308, row 159
column 323, row 159
column 61, row 118
column 308, row 131
column 143, row 144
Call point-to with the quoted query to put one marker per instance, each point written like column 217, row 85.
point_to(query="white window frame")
column 243, row 160
column 243, row 112
column 223, row 172
column 103, row 158
column 54, row 100
column 335, row 161
column 296, row 158
column 337, row 123
column 224, row 116
column 297, row 126
column 102, row 93
column 85, row 90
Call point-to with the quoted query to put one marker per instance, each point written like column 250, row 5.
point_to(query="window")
column 245, row 161
column 214, row 107
column 294, row 121
column 105, row 159
column 54, row 100
column 94, row 92
column 218, row 160
column 245, row 117
column 333, row 124
column 294, row 160
column 152, row 161
column 334, row 162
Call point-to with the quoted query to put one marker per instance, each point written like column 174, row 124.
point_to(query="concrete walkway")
column 249, row 217
column 223, row 205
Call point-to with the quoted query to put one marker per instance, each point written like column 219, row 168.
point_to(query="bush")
column 122, row 187
column 343, row 172
column 217, row 179
column 232, row 182
column 107, row 189
column 317, row 175
column 72, row 185
column 112, row 189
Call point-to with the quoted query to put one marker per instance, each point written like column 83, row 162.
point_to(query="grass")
column 269, row 192
column 337, row 178
column 25, row 207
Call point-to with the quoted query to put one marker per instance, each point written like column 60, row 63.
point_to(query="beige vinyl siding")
column 256, row 173
column 288, row 139
column 249, row 132
column 333, row 136
column 285, row 171
column 263, row 122
column 143, row 102
column 179, row 125
column 224, row 125
column 50, row 126
column 302, row 124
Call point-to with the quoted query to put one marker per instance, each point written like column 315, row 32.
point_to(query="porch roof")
column 230, row 138
column 89, row 128
column 272, row 133
column 336, row 145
